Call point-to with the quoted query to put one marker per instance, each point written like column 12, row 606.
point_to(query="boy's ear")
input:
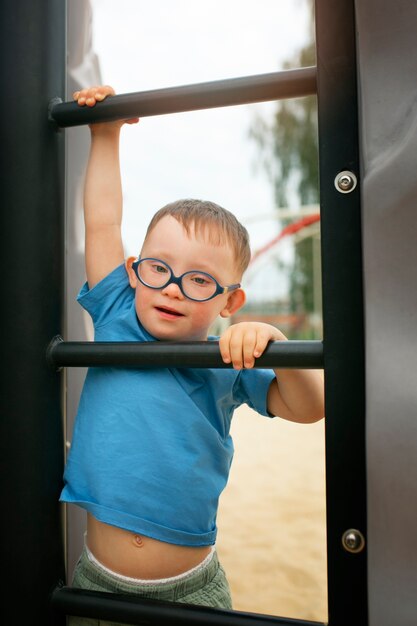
column 235, row 301
column 130, row 272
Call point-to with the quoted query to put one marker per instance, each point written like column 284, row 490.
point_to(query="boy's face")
column 166, row 313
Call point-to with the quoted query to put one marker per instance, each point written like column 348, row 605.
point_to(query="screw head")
column 353, row 541
column 345, row 181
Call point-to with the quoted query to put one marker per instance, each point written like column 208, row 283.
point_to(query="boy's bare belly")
column 139, row 556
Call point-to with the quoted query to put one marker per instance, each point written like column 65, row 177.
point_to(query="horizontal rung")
column 278, row 354
column 219, row 93
column 133, row 610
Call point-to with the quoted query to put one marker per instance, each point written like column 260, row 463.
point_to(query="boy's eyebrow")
column 170, row 260
column 198, row 265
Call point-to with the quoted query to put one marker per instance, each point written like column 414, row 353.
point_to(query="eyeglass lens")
column 157, row 274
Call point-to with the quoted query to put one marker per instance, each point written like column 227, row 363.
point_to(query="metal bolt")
column 353, row 541
column 345, row 181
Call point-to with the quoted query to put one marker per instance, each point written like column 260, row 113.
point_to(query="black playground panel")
column 33, row 55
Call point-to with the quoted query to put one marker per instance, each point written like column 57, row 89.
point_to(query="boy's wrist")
column 106, row 129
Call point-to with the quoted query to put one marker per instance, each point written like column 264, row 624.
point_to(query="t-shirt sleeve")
column 109, row 298
column 252, row 389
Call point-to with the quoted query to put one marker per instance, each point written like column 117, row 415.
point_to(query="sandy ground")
column 272, row 528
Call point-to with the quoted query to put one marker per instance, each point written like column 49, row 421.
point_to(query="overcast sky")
column 203, row 154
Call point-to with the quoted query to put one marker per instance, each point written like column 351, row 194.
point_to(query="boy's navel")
column 138, row 541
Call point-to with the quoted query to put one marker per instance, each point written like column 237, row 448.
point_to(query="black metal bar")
column 279, row 354
column 343, row 310
column 220, row 93
column 131, row 610
column 32, row 51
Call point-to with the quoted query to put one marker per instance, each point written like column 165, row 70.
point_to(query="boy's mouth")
column 167, row 312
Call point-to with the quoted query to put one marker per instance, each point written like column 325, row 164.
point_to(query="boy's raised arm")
column 103, row 201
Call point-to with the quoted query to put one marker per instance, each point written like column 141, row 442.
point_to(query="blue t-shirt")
column 151, row 449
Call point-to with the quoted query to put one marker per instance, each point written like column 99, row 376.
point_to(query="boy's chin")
column 171, row 335
column 178, row 337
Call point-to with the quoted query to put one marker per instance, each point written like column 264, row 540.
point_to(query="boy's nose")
column 173, row 291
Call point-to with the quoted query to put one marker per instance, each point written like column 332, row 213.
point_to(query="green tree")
column 288, row 151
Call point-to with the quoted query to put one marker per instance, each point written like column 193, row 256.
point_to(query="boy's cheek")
column 200, row 319
column 205, row 313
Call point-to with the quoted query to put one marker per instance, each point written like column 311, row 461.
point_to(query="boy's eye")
column 160, row 269
column 201, row 281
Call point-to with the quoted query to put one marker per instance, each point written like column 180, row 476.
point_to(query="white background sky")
column 203, row 154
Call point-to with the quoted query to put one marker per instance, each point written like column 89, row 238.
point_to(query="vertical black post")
column 33, row 59
column 343, row 313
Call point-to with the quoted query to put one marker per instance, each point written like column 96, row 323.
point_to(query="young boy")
column 151, row 449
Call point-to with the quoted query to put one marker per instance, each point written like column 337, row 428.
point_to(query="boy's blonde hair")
column 210, row 221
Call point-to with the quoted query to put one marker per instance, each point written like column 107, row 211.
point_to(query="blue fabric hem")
column 145, row 527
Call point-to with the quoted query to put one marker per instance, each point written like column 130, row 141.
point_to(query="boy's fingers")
column 108, row 90
column 92, row 100
column 91, row 91
column 81, row 96
column 93, row 94
column 228, row 349
column 90, row 96
column 236, row 350
column 249, row 344
column 243, row 343
column 224, row 348
column 261, row 343
column 238, row 347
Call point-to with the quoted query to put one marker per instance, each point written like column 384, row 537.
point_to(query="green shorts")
column 207, row 586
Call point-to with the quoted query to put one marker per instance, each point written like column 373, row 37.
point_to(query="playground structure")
column 366, row 108
column 273, row 306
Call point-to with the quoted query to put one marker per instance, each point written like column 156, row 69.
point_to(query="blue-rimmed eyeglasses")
column 195, row 285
